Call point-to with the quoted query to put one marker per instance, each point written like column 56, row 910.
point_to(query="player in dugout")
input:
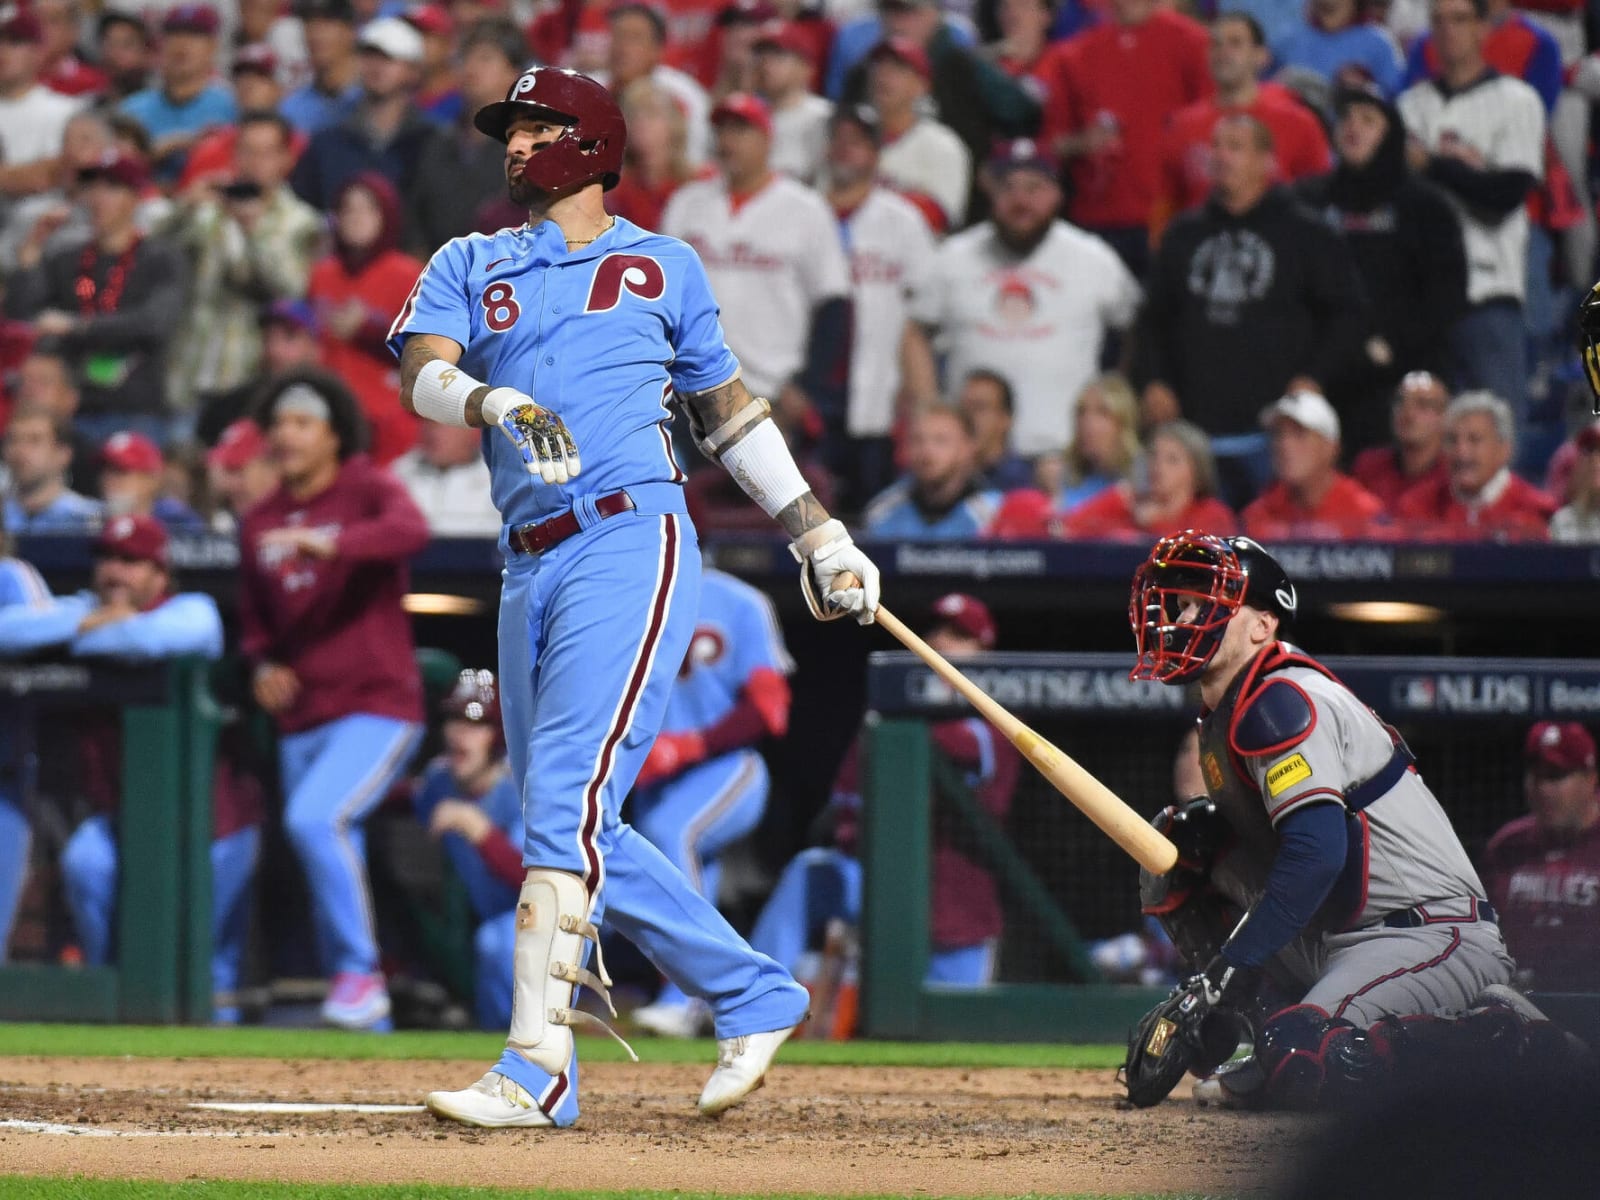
column 323, row 571
column 823, row 884
column 466, row 799
column 1368, row 951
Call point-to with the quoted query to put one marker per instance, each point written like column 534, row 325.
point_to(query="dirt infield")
column 812, row 1129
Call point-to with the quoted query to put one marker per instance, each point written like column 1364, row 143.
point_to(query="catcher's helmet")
column 1589, row 326
column 1218, row 575
column 591, row 145
column 475, row 698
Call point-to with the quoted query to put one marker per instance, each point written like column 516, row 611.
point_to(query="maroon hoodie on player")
column 338, row 623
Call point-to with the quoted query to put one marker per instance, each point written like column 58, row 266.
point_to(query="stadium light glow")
column 441, row 604
column 1387, row 612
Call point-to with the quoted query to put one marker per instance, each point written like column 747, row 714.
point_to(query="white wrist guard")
column 500, row 401
column 440, row 392
column 761, row 464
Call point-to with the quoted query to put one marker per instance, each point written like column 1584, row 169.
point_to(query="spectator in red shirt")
column 1309, row 497
column 323, row 572
column 1416, row 455
column 1239, row 55
column 1481, row 499
column 1543, row 870
column 1108, row 93
column 64, row 71
column 1180, row 493
column 356, row 292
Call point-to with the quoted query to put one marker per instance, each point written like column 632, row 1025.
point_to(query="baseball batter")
column 565, row 339
column 704, row 784
column 1347, row 844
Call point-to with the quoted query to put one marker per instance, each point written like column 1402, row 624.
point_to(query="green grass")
column 29, row 1188
column 99, row 1041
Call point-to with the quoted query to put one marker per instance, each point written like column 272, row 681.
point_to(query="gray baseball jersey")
column 1404, row 861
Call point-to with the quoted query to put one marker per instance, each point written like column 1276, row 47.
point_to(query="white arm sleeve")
column 761, row 464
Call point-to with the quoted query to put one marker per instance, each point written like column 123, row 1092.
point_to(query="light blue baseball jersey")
column 735, row 635
column 528, row 312
column 503, row 806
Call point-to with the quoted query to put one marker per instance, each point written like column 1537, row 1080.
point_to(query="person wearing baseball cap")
column 129, row 614
column 241, row 469
column 440, row 95
column 921, row 155
column 1543, row 869
column 132, row 474
column 187, row 100
column 1579, row 519
column 33, row 117
column 823, row 885
column 1309, row 496
column 785, row 56
column 385, row 132
column 466, row 799
column 332, row 92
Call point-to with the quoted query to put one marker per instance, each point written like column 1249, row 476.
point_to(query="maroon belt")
column 539, row 536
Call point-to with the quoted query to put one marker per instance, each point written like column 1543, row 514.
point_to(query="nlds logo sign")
column 1485, row 693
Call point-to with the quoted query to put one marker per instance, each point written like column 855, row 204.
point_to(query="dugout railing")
column 161, row 969
column 1064, row 883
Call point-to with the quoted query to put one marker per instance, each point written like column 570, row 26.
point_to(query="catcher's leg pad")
column 548, row 954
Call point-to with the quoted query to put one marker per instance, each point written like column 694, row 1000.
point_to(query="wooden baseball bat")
column 1150, row 849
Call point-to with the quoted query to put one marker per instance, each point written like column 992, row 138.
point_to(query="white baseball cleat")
column 494, row 1102
column 742, row 1064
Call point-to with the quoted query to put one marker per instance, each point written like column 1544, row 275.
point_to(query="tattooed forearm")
column 723, row 416
column 803, row 515
column 421, row 349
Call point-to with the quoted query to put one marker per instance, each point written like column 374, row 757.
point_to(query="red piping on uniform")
column 1455, row 944
column 1272, row 814
column 591, row 797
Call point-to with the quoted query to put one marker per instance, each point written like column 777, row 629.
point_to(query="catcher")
column 1321, row 894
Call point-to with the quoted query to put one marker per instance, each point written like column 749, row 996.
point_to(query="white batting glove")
column 540, row 436
column 826, row 555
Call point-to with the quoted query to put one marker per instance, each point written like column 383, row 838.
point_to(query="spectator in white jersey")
column 1028, row 295
column 1480, row 136
column 889, row 245
column 771, row 250
column 784, row 69
column 924, row 158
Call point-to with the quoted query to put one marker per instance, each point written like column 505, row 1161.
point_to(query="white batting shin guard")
column 552, row 926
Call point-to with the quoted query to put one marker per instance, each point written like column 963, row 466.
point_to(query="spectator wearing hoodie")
column 1405, row 241
column 356, row 292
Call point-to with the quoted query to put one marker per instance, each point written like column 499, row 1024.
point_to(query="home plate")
column 267, row 1106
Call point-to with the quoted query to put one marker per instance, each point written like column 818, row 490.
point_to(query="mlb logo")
column 1418, row 693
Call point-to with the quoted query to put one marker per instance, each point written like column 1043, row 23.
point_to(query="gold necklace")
column 585, row 241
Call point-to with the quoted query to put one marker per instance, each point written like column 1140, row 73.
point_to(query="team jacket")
column 1289, row 734
column 337, row 623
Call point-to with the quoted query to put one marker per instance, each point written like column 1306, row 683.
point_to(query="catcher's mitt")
column 1182, row 1033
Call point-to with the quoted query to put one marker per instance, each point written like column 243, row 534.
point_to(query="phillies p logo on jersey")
column 638, row 273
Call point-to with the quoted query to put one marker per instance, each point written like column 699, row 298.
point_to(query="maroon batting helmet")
column 591, row 145
column 475, row 698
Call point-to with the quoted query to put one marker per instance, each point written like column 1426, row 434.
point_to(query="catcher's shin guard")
column 552, row 926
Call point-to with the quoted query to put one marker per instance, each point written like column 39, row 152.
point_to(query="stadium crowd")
column 1087, row 269
column 1024, row 268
